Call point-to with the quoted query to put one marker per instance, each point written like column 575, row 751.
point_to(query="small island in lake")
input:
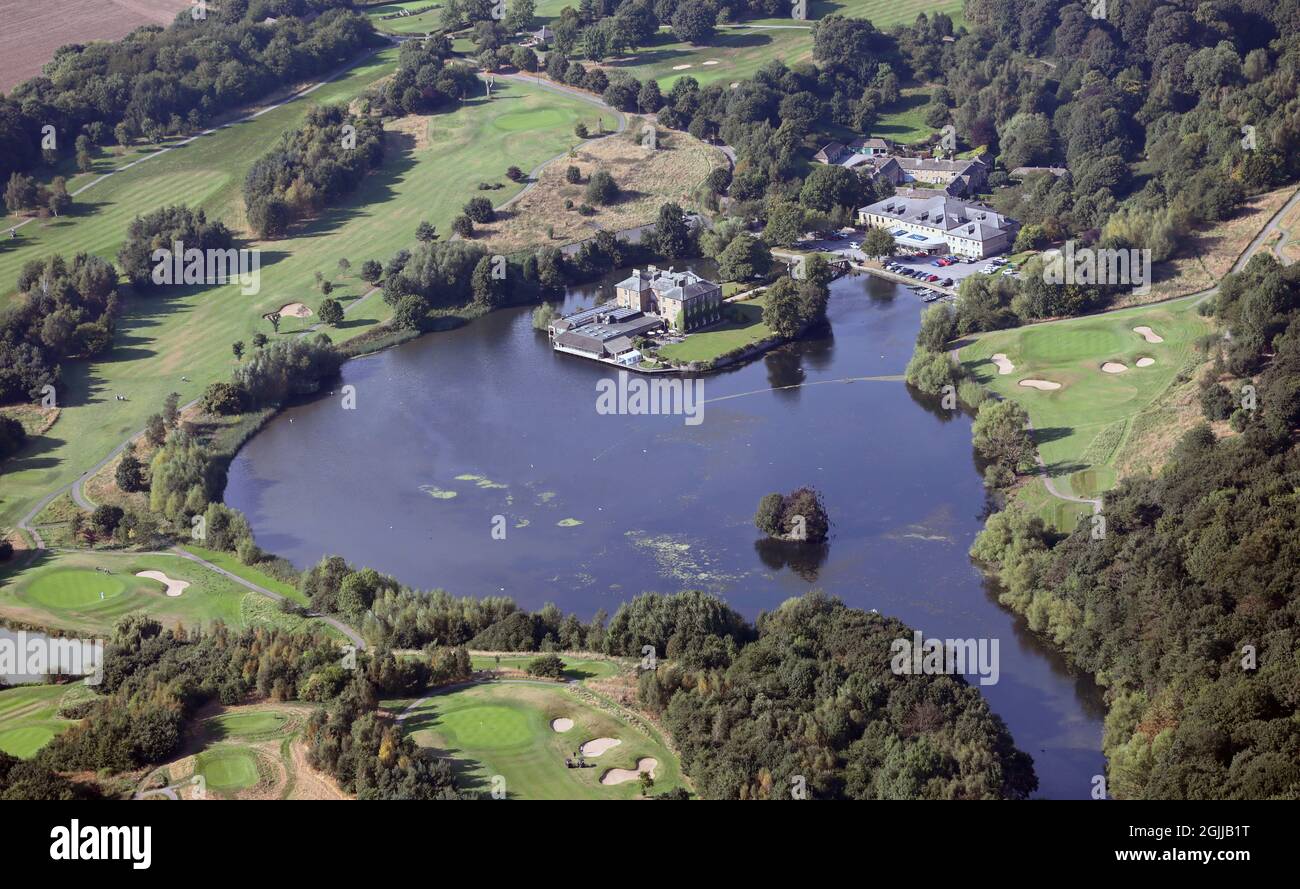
column 798, row 516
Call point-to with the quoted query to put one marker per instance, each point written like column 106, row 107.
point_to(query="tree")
column 259, row 340
column 129, row 474
column 878, row 243
column 221, row 398
column 572, row 175
column 1001, row 434
column 694, row 21
column 105, row 519
column 601, row 188
column 463, row 226
column 519, row 16
column 237, row 349
column 580, row 130
column 768, row 517
column 371, row 270
column 410, row 312
column 487, row 288
column 480, row 210
column 330, row 311
column 12, row 436
column 548, row 665
column 171, row 413
column 785, row 224
column 937, row 327
column 781, row 313
column 155, row 430
column 344, row 265
column 744, row 258
column 649, row 99
column 672, row 232
column 514, row 174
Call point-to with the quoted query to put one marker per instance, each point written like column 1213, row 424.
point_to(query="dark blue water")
column 489, row 414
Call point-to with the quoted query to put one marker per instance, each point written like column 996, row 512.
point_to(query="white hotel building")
column 934, row 222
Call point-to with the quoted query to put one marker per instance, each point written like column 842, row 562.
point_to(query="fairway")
column 29, row 716
column 161, row 339
column 881, row 13
column 574, row 668
column 735, row 53
column 247, row 724
column 505, row 729
column 1082, row 425
column 74, row 588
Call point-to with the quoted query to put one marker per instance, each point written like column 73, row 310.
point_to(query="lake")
column 485, row 427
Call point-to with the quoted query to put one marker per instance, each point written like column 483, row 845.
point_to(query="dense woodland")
column 311, row 168
column 159, row 82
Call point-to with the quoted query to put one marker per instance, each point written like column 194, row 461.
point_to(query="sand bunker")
column 1113, row 367
column 680, row 67
column 294, row 310
column 598, row 746
column 1004, row 363
column 711, row 62
column 174, row 587
column 622, row 776
column 1149, row 335
column 561, row 724
column 1145, row 362
column 1045, row 385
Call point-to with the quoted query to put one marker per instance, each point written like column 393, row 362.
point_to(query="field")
column 745, row 327
column 882, row 13
column 574, row 668
column 432, row 169
column 1081, row 426
column 504, row 729
column 62, row 590
column 29, row 715
column 250, row 752
column 421, row 23
column 735, row 53
column 647, row 178
column 33, row 31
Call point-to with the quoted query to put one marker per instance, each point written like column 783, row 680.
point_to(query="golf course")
column 524, row 731
column 433, row 166
column 29, row 715
column 1087, row 382
column 246, row 752
column 88, row 593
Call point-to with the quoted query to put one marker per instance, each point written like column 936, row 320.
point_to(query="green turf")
column 255, row 724
column 29, row 716
column 574, row 668
column 229, row 562
column 421, row 23
column 227, row 769
column 505, row 729
column 1080, row 427
column 882, row 13
column 75, row 588
column 705, row 345
column 162, row 338
column 39, row 594
column 739, row 51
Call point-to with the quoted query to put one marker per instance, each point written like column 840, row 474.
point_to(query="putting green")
column 504, row 729
column 74, row 588
column 533, row 119
column 227, row 768
column 486, row 727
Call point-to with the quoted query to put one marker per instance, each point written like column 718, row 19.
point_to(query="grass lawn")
column 247, row 724
column 744, row 325
column 574, row 668
column 737, row 52
column 429, row 174
column 881, row 13
column 1081, row 426
column 505, row 729
column 227, row 769
column 229, row 562
column 422, row 23
column 29, row 716
column 61, row 590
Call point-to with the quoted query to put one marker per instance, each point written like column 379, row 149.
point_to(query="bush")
column 601, row 188
column 547, row 665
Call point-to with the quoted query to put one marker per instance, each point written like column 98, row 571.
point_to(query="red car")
column 932, row 278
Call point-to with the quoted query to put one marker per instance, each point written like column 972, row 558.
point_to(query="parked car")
column 946, row 282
